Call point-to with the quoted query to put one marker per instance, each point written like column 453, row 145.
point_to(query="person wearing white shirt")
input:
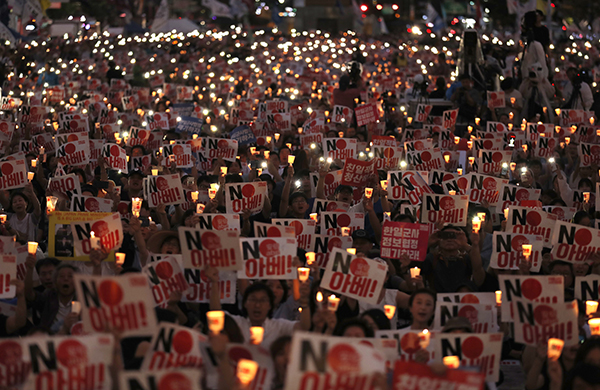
column 584, row 98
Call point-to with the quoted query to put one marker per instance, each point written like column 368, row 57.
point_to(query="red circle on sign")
column 298, row 227
column 469, row 298
column 343, row 358
column 71, row 353
column 334, row 242
column 222, row 144
column 177, row 149
column 10, row 352
column 162, row 184
column 359, row 267
column 522, row 194
column 183, row 342
column 545, row 315
column 426, row 156
column 70, row 148
column 340, row 144
column 92, row 205
column 100, row 228
column 273, row 232
column 73, row 125
column 269, row 248
column 110, row 292
column 533, row 218
column 446, row 203
column 410, row 343
column 7, row 169
column 115, row 151
column 164, row 270
column 343, row 220
column 156, row 117
column 472, row 347
column 329, row 179
column 211, row 241
column 583, row 237
column 469, row 312
column 248, row 190
column 493, row 95
column 219, row 222
column 518, row 241
column 487, row 144
column 3, row 126
column 496, row 157
column 462, row 183
column 142, row 134
column 531, row 289
column 175, row 381
column 388, row 153
column 72, row 137
column 419, row 145
column 489, row 184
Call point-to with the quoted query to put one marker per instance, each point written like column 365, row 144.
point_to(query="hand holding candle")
column 216, row 321
column 332, row 303
column 32, row 247
column 303, row 274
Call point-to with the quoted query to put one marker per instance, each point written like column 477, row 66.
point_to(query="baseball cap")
column 361, row 234
column 343, row 187
column 136, row 172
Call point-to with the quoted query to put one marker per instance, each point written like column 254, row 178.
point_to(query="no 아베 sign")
column 268, row 258
column 355, row 277
column 242, row 196
column 217, row 248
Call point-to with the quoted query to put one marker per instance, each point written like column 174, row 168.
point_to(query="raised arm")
column 285, row 194
column 215, row 292
column 19, row 319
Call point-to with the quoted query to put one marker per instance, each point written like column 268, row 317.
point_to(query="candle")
column 476, row 224
column 456, row 140
column 557, row 111
column 94, row 241
column 409, row 119
column 2, row 218
column 498, row 297
column 526, row 251
column 586, row 196
column 75, row 307
column 567, row 140
column 384, row 184
column 34, row 163
column 291, row 159
column 319, row 296
column 341, row 134
column 477, row 120
column 32, row 247
column 223, row 170
column 452, row 192
column 390, row 310
column 51, row 204
column 42, row 150
column 470, row 129
column 289, row 146
column 459, row 171
column 252, row 149
column 269, row 139
column 200, row 208
column 506, row 213
column 513, row 166
column 310, row 257
column 424, row 337
column 594, row 324
column 555, row 347
column 256, row 334
column 195, row 195
column 212, row 193
column 471, row 159
column 332, row 303
column 524, row 148
column 481, row 216
column 216, row 320
column 368, row 192
column 277, row 135
column 303, row 274
column 591, row 307
column 154, row 172
column 352, row 251
column 513, row 100
column 414, row 272
column 30, row 176
column 120, row 258
column 246, row 370
column 345, row 231
column 470, row 145
column 447, row 158
column 314, row 216
column 451, row 361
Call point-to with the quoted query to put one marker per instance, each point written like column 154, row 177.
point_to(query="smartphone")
column 145, row 221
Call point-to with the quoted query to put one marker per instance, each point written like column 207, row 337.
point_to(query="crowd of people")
column 341, row 141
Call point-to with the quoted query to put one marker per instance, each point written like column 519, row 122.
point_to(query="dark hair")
column 279, row 345
column 233, row 331
column 585, row 181
column 379, row 317
column 344, row 82
column 256, row 287
column 139, row 147
column 588, row 373
column 48, row 261
column 580, row 215
column 60, row 268
column 89, row 188
column 230, row 178
column 421, row 291
column 507, row 83
column 295, row 195
column 534, row 163
column 350, row 322
column 284, row 286
column 404, row 218
column 22, row 195
column 585, row 348
column 302, row 173
column 556, row 263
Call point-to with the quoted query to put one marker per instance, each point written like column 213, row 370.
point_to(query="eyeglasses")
column 299, row 201
column 255, row 301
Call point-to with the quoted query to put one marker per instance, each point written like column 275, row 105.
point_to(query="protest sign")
column 512, row 195
column 407, row 185
column 68, row 185
column 61, row 236
column 561, row 213
column 356, row 172
column 476, row 298
column 242, row 196
column 493, row 162
column 268, row 258
column 164, row 189
column 218, row 147
column 174, row 346
column 265, row 372
column 354, row 277
column 407, row 342
column 109, row 231
column 332, row 180
column 540, row 288
column 189, row 124
column 341, row 114
column 157, row 121
column 91, row 204
column 180, row 154
column 322, row 245
column 482, row 351
column 321, row 205
column 15, row 369
column 339, row 148
column 219, row 221
column 574, row 243
column 422, row 112
column 58, row 360
column 425, row 160
column 13, row 174
column 481, row 316
column 218, row 248
column 316, row 360
column 536, row 322
column 61, row 139
column 524, row 220
column 366, row 113
column 303, row 229
column 180, row 379
column 243, row 135
column 450, row 209
column 137, row 136
column 121, row 303
column 416, row 376
column 586, row 287
column 332, row 223
column 386, row 157
column 438, row 177
column 8, row 272
column 483, row 187
column 165, row 277
column 449, row 118
column 199, row 286
column 507, row 250
column 140, row 163
column 403, row 238
column 76, row 153
column 495, row 99
column 418, row 145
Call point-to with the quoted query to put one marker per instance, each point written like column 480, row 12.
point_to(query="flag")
column 162, row 15
column 217, row 8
